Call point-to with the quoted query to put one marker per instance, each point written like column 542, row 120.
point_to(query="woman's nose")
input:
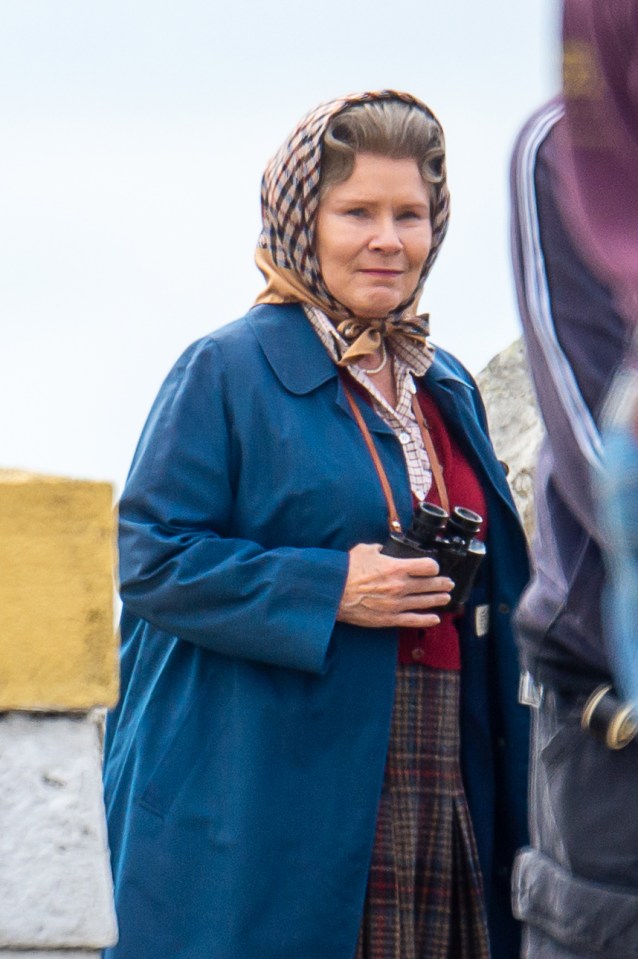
column 386, row 235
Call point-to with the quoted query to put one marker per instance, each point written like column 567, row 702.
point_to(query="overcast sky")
column 134, row 135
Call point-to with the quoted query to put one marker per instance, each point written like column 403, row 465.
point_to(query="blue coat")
column 245, row 760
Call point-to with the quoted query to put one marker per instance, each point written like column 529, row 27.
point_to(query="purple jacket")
column 575, row 340
column 599, row 139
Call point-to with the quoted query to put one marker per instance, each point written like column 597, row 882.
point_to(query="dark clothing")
column 599, row 139
column 245, row 760
column 599, row 157
column 576, row 889
column 575, row 340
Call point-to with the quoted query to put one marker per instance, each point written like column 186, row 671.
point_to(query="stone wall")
column 515, row 423
column 58, row 670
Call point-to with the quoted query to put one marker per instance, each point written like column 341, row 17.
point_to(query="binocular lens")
column 428, row 520
column 465, row 521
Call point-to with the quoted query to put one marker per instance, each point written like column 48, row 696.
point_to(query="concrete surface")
column 55, row 881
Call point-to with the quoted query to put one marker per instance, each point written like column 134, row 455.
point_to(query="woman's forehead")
column 379, row 177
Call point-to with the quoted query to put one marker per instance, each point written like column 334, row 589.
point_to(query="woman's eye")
column 357, row 211
column 410, row 215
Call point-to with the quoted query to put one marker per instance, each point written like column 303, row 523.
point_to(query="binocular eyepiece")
column 450, row 539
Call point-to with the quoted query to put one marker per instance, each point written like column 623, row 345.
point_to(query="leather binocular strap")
column 435, row 466
column 394, row 523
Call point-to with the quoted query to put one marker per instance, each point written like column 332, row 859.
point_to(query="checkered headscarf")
column 289, row 201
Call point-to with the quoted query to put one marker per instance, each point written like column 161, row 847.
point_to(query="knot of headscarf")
column 366, row 336
column 289, row 202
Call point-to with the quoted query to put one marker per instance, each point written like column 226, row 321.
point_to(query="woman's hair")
column 387, row 128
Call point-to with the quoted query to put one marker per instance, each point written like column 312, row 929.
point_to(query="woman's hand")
column 384, row 591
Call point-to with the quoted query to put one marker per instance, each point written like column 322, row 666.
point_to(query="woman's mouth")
column 381, row 272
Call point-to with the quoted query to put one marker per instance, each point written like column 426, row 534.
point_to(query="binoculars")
column 448, row 539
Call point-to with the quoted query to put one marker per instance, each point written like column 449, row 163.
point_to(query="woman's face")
column 373, row 235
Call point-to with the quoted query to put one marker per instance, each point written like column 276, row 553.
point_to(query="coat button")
column 418, row 653
column 503, row 608
column 505, row 467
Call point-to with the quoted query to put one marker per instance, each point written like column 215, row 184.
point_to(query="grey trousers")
column 576, row 888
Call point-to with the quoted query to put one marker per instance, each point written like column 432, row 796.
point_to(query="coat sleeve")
column 181, row 568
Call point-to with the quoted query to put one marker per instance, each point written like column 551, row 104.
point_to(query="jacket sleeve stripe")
column 535, row 288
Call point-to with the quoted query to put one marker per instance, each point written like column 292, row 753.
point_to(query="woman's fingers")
column 384, row 591
column 417, row 585
column 416, row 620
column 421, row 601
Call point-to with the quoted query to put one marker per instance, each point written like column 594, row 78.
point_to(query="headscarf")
column 285, row 251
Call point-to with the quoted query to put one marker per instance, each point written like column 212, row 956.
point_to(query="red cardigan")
column 438, row 647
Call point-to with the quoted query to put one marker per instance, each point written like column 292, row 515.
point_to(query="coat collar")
column 302, row 364
column 294, row 351
column 444, row 373
column 300, row 361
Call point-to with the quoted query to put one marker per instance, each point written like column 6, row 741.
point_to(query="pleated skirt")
column 425, row 897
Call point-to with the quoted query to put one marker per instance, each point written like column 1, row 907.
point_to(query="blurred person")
column 575, row 249
column 598, row 141
column 314, row 756
column 599, row 150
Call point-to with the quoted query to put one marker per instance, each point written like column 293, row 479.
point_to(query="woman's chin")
column 374, row 307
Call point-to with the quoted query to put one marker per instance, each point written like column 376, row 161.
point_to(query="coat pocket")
column 184, row 753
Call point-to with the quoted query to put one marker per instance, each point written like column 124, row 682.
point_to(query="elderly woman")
column 312, row 758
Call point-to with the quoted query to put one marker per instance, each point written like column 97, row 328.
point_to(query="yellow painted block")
column 58, row 647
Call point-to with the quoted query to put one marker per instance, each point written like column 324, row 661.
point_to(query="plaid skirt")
column 424, row 898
